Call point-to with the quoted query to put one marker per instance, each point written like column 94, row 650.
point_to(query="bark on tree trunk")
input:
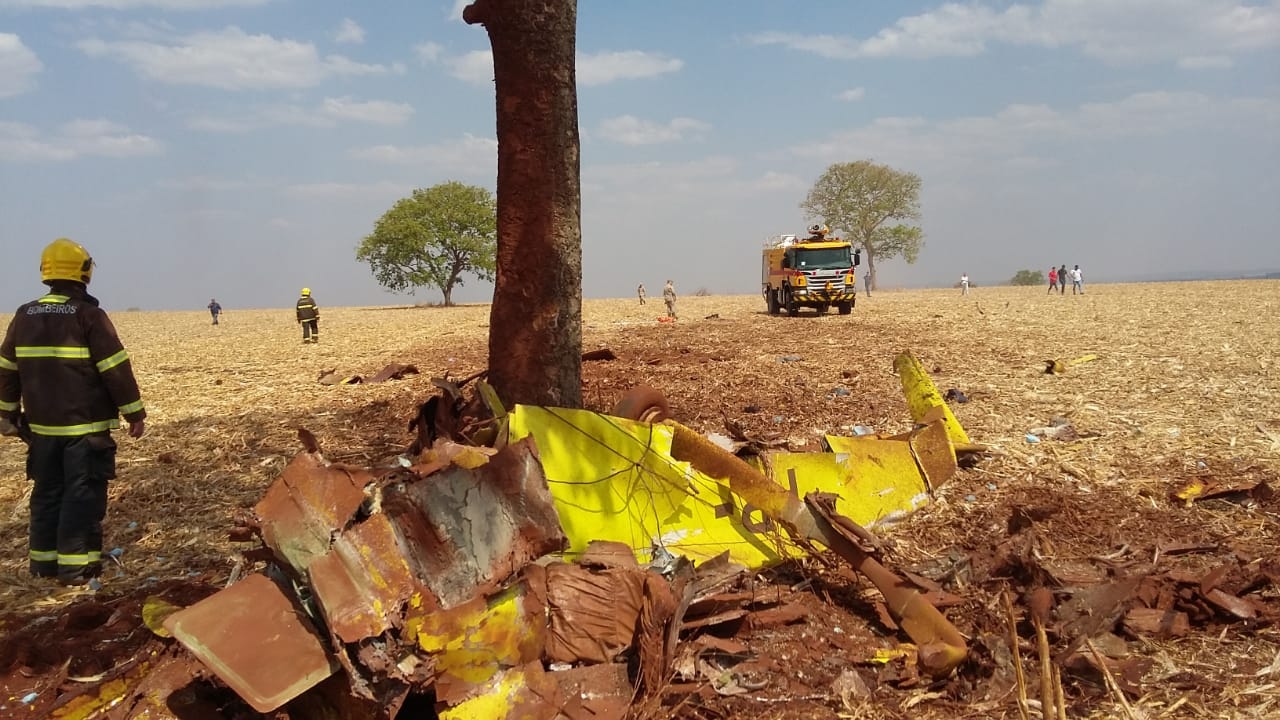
column 535, row 325
column 871, row 263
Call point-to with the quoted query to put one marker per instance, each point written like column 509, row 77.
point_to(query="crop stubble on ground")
column 1184, row 387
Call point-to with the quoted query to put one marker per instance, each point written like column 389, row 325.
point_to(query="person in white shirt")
column 964, row 284
column 1077, row 281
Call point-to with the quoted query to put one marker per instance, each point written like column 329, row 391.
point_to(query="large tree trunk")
column 535, row 325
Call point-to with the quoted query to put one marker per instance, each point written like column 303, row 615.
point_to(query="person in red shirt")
column 1053, row 280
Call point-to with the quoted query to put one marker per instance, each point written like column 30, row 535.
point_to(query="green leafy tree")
column 1027, row 277
column 860, row 198
column 432, row 238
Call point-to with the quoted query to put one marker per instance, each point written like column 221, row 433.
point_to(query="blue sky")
column 241, row 148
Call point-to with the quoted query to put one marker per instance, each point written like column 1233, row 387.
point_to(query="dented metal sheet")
column 304, row 506
column 466, row 531
column 527, row 693
column 924, row 400
column 591, row 615
column 362, row 584
column 934, row 453
column 257, row 640
column 473, row 642
column 615, row 479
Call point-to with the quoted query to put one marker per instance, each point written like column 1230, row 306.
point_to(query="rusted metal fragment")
column 465, row 531
column 332, row 377
column 594, row 692
column 651, row 637
column 718, row 618
column 1234, row 490
column 362, row 584
column 592, row 615
column 607, row 553
column 257, row 640
column 145, row 685
column 473, row 643
column 934, row 453
column 1161, row 624
column 777, row 616
column 1232, row 605
column 393, row 371
column 304, row 506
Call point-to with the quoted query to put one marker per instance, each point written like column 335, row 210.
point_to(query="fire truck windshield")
column 822, row 259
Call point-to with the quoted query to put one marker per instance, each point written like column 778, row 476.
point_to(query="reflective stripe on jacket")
column 307, row 309
column 62, row 363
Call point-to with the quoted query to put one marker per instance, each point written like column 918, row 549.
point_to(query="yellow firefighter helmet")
column 306, row 292
column 65, row 259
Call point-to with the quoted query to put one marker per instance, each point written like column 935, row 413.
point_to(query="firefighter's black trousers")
column 68, row 503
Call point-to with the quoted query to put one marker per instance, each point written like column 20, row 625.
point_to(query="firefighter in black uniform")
column 65, row 380
column 309, row 317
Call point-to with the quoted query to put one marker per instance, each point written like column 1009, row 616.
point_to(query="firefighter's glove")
column 15, row 426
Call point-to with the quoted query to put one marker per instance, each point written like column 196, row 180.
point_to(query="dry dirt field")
column 1184, row 388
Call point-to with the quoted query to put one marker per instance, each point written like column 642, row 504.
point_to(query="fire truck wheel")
column 771, row 299
column 790, row 302
column 844, row 308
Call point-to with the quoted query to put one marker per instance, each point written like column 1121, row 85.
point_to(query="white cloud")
column 349, row 32
column 458, row 6
column 476, row 67
column 75, row 139
column 606, row 67
column 1024, row 136
column 348, row 191
column 130, row 4
column 206, row 184
column 329, row 113
column 631, row 130
column 230, row 59
column 428, row 52
column 469, row 154
column 852, row 94
column 1205, row 62
column 374, row 112
column 1135, row 31
column 18, row 66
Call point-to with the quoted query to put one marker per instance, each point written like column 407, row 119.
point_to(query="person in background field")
column 1062, row 279
column 214, row 309
column 1077, row 280
column 309, row 317
column 1053, row 279
column 65, row 380
column 640, row 292
column 964, row 283
column 669, row 297
column 866, row 283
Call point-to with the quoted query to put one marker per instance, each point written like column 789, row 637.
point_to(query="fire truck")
column 815, row 271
